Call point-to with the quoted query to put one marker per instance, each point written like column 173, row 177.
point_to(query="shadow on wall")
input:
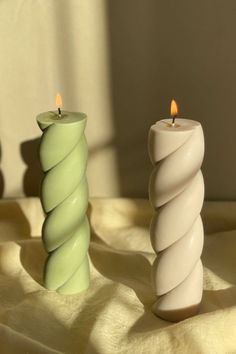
column 29, row 149
column 1, row 177
column 165, row 49
column 1, row 184
column 13, row 223
column 33, row 174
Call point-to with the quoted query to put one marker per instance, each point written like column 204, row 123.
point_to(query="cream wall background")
column 121, row 62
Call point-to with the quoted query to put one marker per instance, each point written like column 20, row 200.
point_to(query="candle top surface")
column 181, row 125
column 51, row 117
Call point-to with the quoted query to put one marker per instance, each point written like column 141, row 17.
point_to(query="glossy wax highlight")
column 64, row 197
column 176, row 192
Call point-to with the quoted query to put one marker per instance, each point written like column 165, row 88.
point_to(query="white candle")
column 176, row 192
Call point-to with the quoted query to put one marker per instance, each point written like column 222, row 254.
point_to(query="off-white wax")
column 176, row 192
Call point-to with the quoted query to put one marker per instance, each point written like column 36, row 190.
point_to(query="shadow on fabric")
column 33, row 257
column 214, row 300
column 133, row 269
column 129, row 268
column 88, row 316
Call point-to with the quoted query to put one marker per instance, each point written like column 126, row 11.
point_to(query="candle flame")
column 58, row 101
column 173, row 109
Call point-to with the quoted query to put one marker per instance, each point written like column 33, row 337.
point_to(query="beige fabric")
column 121, row 62
column 114, row 315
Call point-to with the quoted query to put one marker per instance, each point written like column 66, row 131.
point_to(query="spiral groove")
column 176, row 192
column 64, row 197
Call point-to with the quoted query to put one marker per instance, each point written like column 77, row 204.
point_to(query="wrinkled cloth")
column 114, row 314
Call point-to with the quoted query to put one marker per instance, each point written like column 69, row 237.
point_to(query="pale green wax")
column 64, row 197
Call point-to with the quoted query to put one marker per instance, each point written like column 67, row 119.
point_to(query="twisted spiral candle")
column 176, row 192
column 64, row 197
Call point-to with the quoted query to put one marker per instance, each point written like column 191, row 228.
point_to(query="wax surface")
column 176, row 192
column 64, row 197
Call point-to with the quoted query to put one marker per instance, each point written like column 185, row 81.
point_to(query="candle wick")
column 173, row 120
column 59, row 112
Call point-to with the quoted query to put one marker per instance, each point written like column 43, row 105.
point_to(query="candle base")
column 78, row 282
column 175, row 315
column 182, row 301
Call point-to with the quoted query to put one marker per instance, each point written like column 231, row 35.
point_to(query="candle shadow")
column 123, row 267
column 157, row 54
column 14, row 226
column 33, row 257
column 214, row 300
column 97, row 301
column 150, row 322
column 13, row 223
column 218, row 217
column 129, row 268
column 1, row 176
column 137, row 97
column 218, row 255
column 1, row 184
column 21, row 299
column 33, row 174
column 28, row 310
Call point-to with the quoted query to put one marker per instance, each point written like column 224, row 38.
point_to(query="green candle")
column 64, row 197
